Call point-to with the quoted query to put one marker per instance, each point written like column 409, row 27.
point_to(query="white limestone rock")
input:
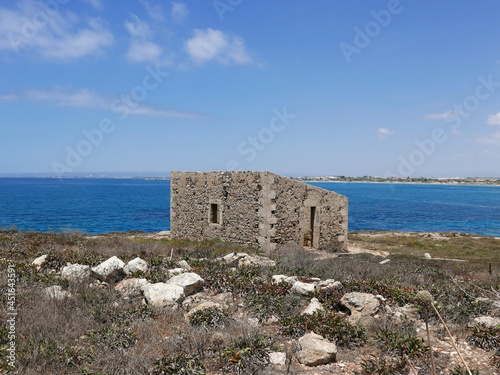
column 363, row 307
column 316, row 350
column 303, row 289
column 328, row 284
column 38, row 262
column 76, row 273
column 109, row 270
column 277, row 358
column 163, row 295
column 135, row 265
column 184, row 265
column 487, row 321
column 131, row 287
column 189, row 281
column 313, row 307
column 276, row 279
column 175, row 271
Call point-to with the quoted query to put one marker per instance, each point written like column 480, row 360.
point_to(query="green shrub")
column 484, row 337
column 183, row 364
column 211, row 317
column 248, row 354
column 328, row 324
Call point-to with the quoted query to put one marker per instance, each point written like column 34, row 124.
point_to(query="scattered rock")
column 313, row 307
column 189, row 281
column 244, row 259
column 110, row 270
column 363, row 307
column 38, row 262
column 131, row 287
column 328, row 284
column 163, row 295
column 276, row 279
column 225, row 300
column 316, row 350
column 76, row 273
column 277, row 358
column 487, row 321
column 301, row 288
column 427, row 256
column 385, row 261
column 56, row 292
column 184, row 265
column 135, row 265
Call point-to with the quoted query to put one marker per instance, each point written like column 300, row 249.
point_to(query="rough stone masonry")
column 259, row 209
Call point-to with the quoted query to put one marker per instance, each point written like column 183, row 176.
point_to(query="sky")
column 382, row 88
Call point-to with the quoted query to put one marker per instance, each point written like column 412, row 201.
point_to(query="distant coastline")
column 456, row 181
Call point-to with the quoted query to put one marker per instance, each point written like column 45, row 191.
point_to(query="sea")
column 97, row 206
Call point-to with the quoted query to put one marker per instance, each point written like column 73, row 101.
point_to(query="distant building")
column 259, row 209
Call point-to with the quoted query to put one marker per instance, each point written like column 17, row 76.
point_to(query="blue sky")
column 355, row 88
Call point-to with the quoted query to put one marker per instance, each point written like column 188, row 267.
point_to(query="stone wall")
column 256, row 208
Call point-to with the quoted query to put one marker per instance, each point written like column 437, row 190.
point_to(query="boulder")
column 487, row 321
column 109, row 270
column 427, row 256
column 203, row 306
column 163, row 295
column 189, row 281
column 316, row 350
column 363, row 307
column 313, row 307
column 38, row 262
column 135, row 265
column 277, row 358
column 76, row 273
column 303, row 289
column 56, row 292
column 131, row 287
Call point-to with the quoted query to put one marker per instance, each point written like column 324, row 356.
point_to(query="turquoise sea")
column 106, row 205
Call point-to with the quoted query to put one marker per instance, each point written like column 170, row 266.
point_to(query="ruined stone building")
column 259, row 209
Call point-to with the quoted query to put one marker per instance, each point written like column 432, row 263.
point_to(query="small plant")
column 484, row 337
column 248, row 354
column 113, row 337
column 459, row 370
column 328, row 324
column 377, row 366
column 183, row 364
column 211, row 317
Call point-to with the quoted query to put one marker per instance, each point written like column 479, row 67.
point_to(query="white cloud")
column 54, row 34
column 492, row 139
column 382, row 133
column 83, row 98
column 97, row 4
column 440, row 116
column 209, row 44
column 142, row 48
column 154, row 11
column 179, row 12
column 494, row 119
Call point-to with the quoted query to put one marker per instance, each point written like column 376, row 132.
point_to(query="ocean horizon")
column 98, row 206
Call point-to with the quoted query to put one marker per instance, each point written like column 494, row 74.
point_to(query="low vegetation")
column 99, row 332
